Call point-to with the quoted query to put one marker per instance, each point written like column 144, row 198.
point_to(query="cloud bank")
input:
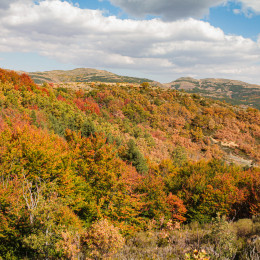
column 165, row 50
column 177, row 9
column 170, row 10
column 251, row 4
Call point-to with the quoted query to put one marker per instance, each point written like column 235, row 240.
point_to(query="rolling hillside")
column 85, row 166
column 232, row 91
column 82, row 75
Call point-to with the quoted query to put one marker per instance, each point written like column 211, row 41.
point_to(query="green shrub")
column 88, row 128
column 244, row 227
column 222, row 238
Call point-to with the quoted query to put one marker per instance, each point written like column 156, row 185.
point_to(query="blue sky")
column 161, row 40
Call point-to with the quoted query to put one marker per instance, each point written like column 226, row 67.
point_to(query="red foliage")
column 80, row 104
column 61, row 98
column 92, row 105
column 34, row 107
column 127, row 101
column 87, row 104
column 159, row 135
column 44, row 90
column 16, row 79
column 79, row 93
column 176, row 207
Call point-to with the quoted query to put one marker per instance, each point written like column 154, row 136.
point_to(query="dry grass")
column 220, row 239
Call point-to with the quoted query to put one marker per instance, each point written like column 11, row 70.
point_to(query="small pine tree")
column 136, row 157
column 88, row 128
column 179, row 156
column 34, row 118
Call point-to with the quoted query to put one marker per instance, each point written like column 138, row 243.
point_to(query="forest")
column 119, row 171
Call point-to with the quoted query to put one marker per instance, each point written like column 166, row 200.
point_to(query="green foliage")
column 223, row 238
column 179, row 156
column 244, row 227
column 134, row 156
column 88, row 128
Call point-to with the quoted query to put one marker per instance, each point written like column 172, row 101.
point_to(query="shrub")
column 102, row 240
column 202, row 255
column 244, row 227
column 88, row 128
column 223, row 239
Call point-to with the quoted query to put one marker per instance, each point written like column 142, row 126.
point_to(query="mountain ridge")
column 82, row 75
column 235, row 92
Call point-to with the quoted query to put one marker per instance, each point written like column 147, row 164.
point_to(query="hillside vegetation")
column 91, row 171
column 232, row 91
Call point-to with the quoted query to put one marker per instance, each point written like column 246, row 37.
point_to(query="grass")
column 220, row 239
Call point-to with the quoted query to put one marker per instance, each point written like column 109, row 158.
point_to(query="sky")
column 160, row 40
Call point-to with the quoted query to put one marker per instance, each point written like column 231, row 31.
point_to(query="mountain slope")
column 232, row 91
column 82, row 75
column 117, row 158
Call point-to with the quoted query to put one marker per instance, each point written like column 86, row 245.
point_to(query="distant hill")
column 232, row 91
column 82, row 75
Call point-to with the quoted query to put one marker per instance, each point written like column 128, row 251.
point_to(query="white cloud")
column 254, row 5
column 249, row 8
column 163, row 50
column 237, row 11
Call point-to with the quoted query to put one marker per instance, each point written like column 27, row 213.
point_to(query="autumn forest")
column 125, row 171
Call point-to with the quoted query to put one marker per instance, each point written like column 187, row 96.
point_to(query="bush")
column 223, row 239
column 102, row 240
column 88, row 128
column 244, row 227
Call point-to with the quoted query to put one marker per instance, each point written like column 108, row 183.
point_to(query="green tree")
column 88, row 128
column 134, row 156
column 179, row 156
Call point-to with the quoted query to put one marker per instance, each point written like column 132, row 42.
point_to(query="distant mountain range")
column 232, row 91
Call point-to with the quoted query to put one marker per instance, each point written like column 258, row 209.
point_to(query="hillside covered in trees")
column 232, row 91
column 85, row 167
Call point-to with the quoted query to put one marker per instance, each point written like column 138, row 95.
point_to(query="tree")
column 179, row 156
column 88, row 128
column 134, row 156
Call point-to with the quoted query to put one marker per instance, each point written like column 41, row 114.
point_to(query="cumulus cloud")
column 163, row 50
column 5, row 3
column 249, row 8
column 170, row 10
column 178, row 9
